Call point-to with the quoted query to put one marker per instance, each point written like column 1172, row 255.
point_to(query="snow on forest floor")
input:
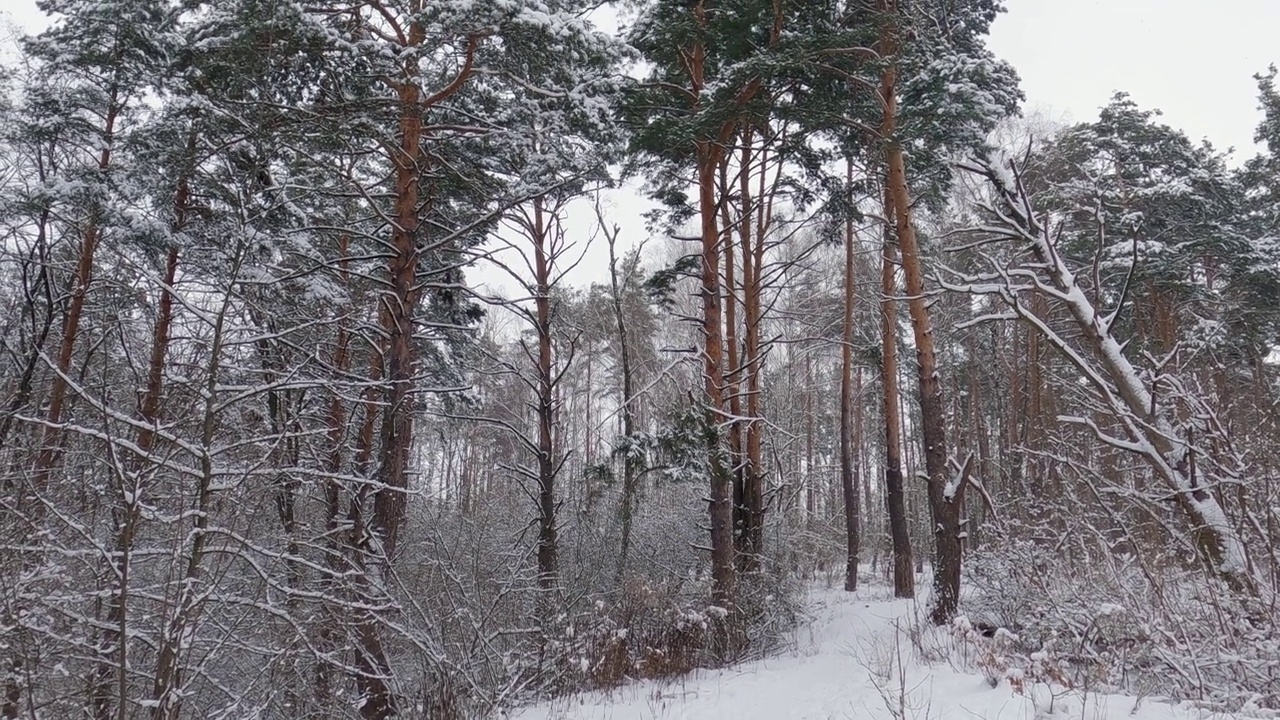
column 845, row 664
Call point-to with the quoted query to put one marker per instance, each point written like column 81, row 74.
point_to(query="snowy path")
column 841, row 663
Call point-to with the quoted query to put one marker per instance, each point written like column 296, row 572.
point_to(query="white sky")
column 1192, row 59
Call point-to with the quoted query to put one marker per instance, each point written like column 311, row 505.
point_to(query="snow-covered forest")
column 305, row 412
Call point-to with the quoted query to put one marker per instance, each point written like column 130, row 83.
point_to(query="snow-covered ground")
column 854, row 660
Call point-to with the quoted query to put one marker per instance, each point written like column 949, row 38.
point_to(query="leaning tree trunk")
column 1148, row 427
column 31, row 502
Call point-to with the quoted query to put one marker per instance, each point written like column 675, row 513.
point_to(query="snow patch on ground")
column 854, row 660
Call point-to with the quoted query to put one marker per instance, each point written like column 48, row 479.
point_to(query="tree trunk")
column 398, row 309
column 753, row 349
column 167, row 687
column 547, row 466
column 707, row 155
column 327, row 632
column 944, row 506
column 397, row 317
column 847, row 480
column 630, row 466
column 722, row 565
column 904, row 579
column 733, row 372
column 373, row 670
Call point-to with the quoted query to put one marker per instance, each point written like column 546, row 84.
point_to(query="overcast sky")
column 1194, row 60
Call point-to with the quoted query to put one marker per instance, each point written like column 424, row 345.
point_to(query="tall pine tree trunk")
column 51, row 437
column 944, row 506
column 722, row 565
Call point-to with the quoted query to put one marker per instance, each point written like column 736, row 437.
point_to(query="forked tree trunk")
column 707, row 162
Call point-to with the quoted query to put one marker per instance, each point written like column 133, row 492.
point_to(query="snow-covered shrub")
column 1149, row 625
column 998, row 654
column 660, row 630
column 495, row 637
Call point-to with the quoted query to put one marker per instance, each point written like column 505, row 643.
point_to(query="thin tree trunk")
column 547, row 550
column 337, row 427
column 904, row 579
column 810, row 490
column 630, row 464
column 753, row 348
column 733, row 373
column 871, row 528
column 166, row 694
column 847, row 480
column 722, row 565
column 373, row 669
